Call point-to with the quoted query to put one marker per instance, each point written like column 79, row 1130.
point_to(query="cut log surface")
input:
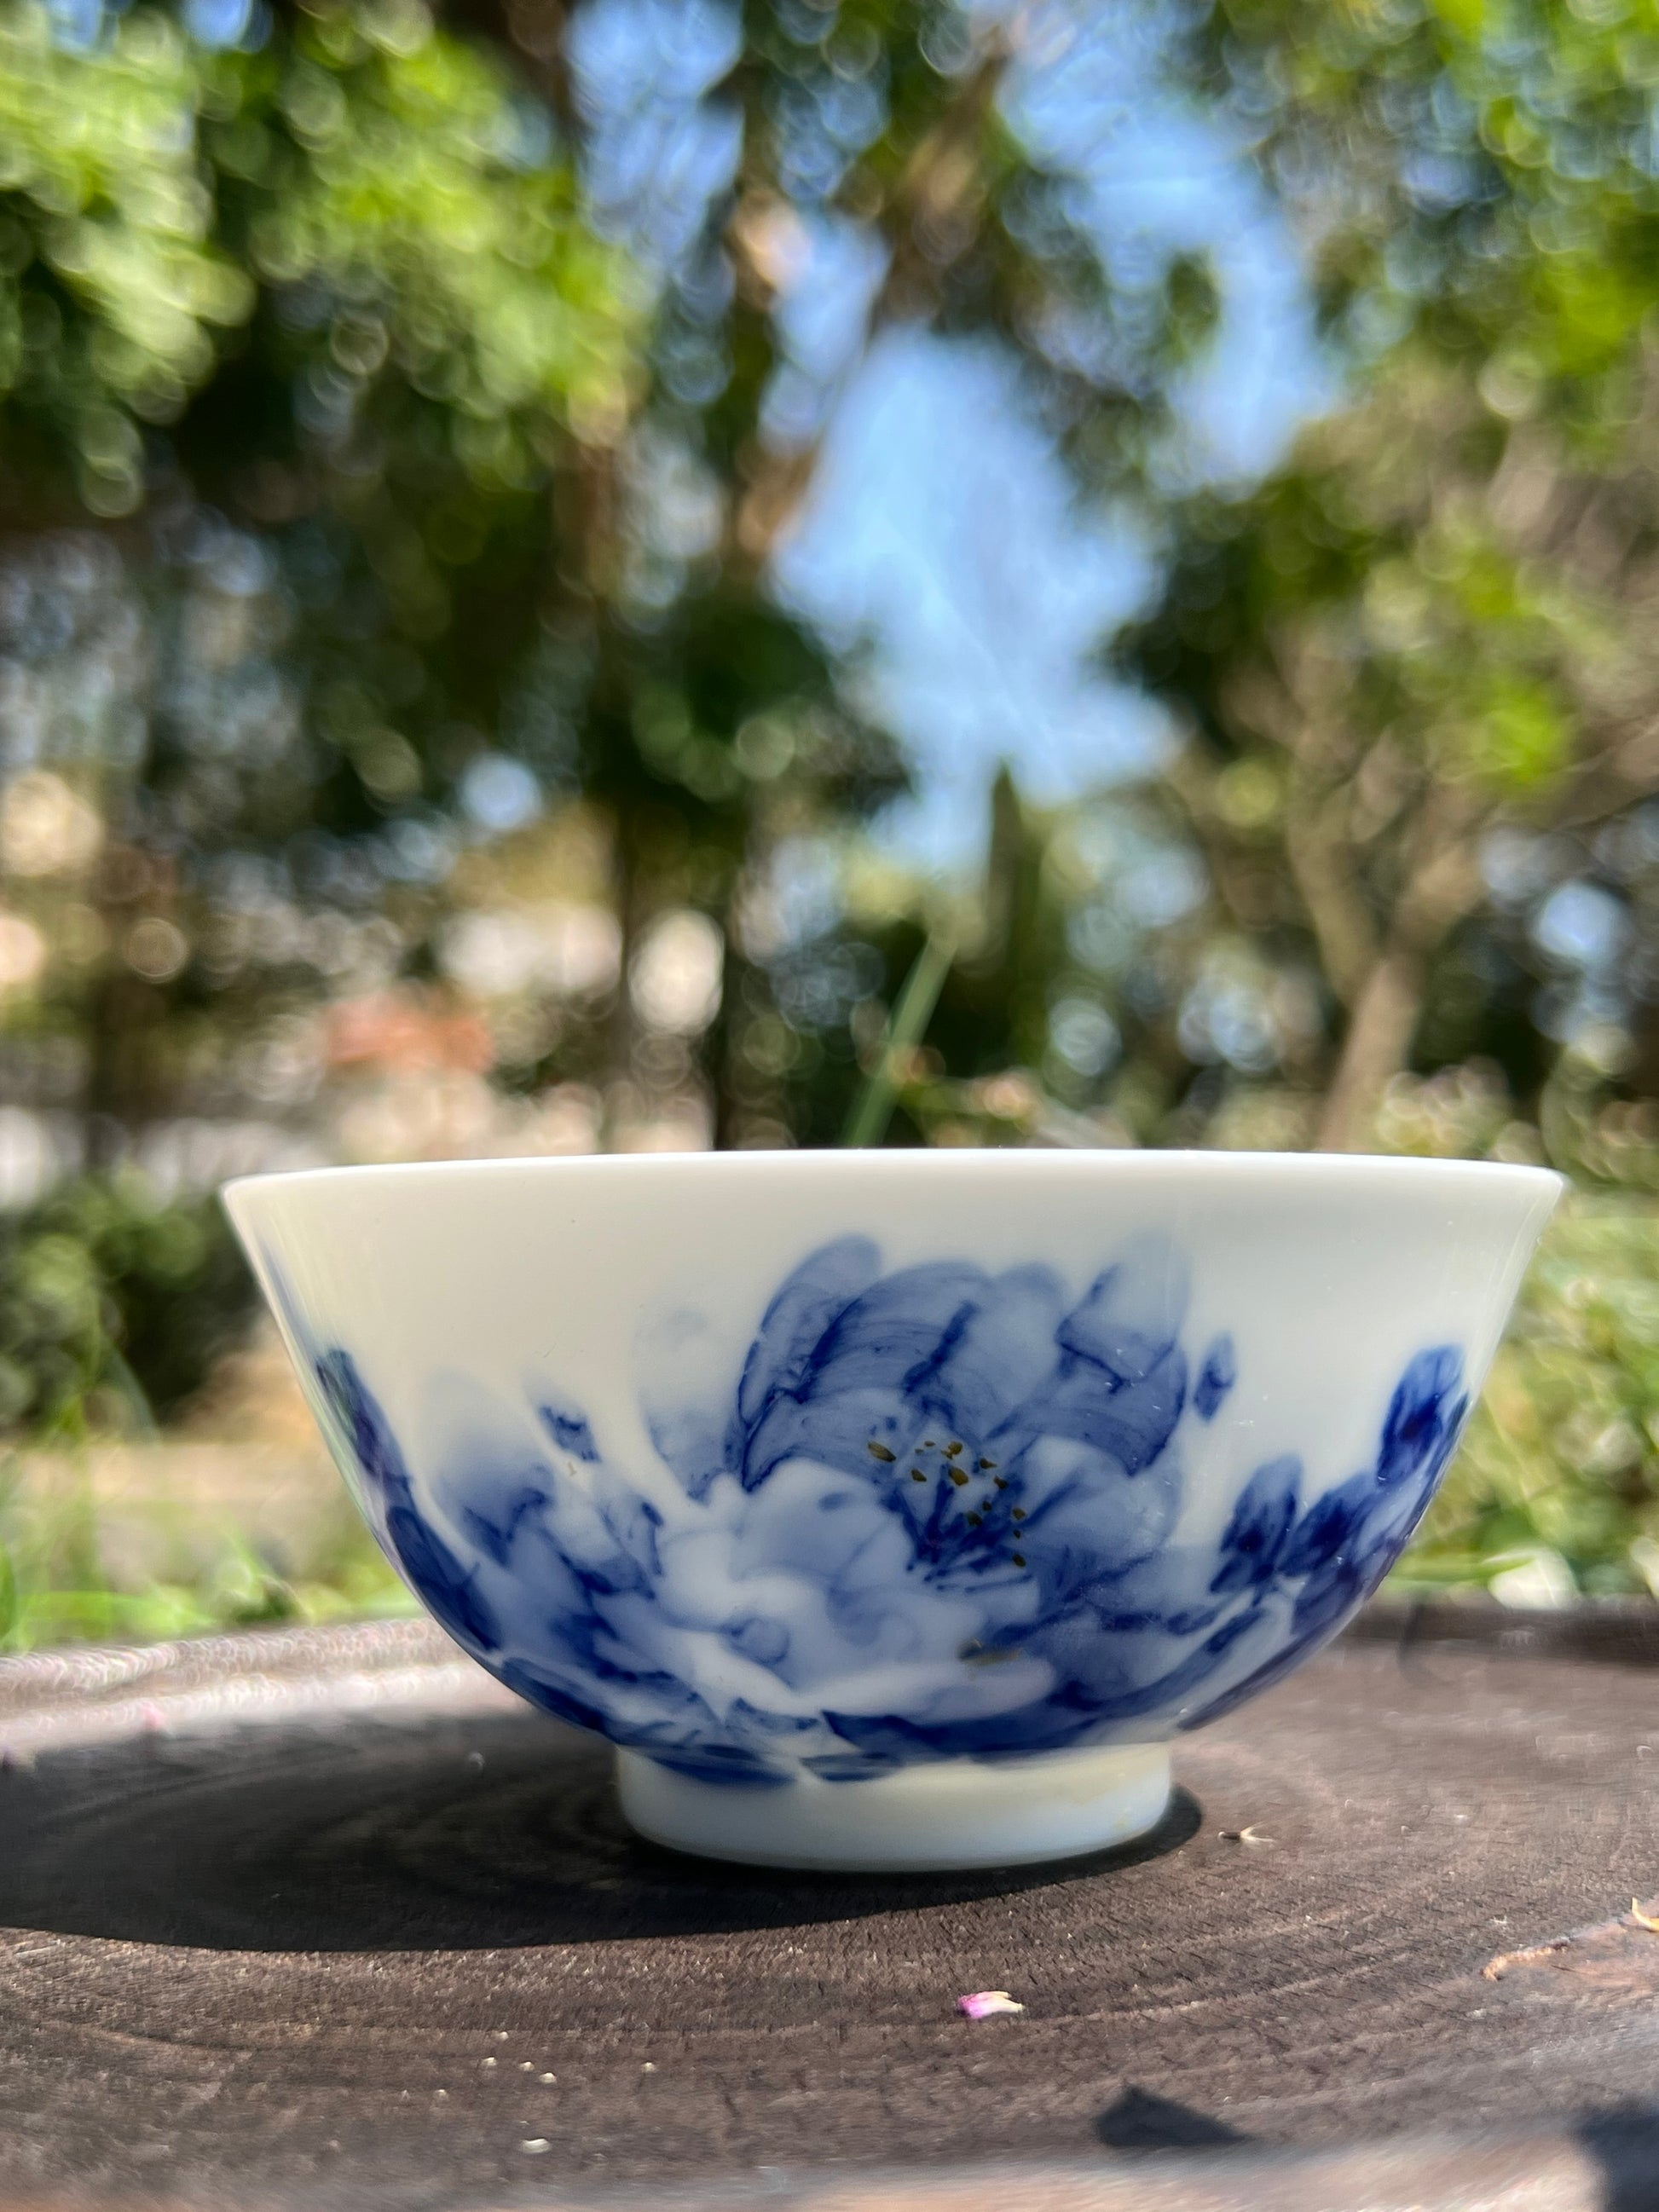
column 324, row 1919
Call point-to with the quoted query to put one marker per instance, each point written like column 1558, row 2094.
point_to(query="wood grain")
column 307, row 1918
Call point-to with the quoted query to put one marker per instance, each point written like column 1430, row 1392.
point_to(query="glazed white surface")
column 553, row 1372
column 924, row 1819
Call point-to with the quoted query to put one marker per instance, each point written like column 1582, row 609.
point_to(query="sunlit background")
column 552, row 557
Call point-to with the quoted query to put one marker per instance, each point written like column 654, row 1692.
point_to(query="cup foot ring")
column 924, row 1819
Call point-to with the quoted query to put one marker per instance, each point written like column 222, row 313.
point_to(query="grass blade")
column 906, row 1025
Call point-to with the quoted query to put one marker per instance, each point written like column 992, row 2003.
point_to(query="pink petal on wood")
column 984, row 2003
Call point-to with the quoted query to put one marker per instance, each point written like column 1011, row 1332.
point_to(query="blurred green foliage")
column 57, row 1585
column 399, row 430
column 164, row 202
column 1432, row 625
column 114, row 1306
column 1561, row 1464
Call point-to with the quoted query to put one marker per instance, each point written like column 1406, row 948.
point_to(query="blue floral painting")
column 935, row 1515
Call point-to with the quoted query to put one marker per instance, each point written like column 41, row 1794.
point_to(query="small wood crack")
column 1619, row 1955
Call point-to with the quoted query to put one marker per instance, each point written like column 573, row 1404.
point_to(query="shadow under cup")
column 894, row 1510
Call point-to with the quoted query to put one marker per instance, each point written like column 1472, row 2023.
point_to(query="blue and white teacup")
column 894, row 1509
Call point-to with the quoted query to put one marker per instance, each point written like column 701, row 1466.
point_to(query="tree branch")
column 1322, row 869
column 1442, row 886
column 1190, row 779
column 935, row 188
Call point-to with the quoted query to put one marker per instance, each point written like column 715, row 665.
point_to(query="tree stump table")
column 324, row 1919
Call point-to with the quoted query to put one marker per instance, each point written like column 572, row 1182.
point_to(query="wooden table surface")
column 324, row 1919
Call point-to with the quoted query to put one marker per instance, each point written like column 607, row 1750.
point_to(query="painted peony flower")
column 937, row 1514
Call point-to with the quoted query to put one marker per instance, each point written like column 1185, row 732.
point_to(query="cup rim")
column 1128, row 1162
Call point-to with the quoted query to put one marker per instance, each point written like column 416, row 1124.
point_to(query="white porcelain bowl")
column 893, row 1509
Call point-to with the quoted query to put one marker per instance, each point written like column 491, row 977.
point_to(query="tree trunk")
column 1377, row 1047
column 1441, row 887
